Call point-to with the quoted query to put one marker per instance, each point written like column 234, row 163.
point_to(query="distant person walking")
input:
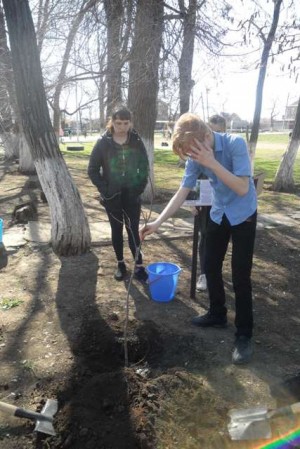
column 119, row 167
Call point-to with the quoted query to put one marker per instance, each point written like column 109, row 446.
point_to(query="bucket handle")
column 158, row 278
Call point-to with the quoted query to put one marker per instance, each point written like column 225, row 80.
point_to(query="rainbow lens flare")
column 289, row 441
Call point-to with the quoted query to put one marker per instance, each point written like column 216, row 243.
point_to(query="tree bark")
column 143, row 76
column 10, row 142
column 187, row 55
column 284, row 180
column 14, row 140
column 261, row 79
column 101, row 84
column 26, row 164
column 114, row 15
column 6, row 80
column 70, row 232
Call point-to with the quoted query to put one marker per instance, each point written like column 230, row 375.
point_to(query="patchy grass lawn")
column 168, row 174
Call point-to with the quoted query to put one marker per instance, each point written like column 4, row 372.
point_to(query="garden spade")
column 43, row 420
column 254, row 423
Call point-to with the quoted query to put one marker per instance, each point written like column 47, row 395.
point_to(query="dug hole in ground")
column 64, row 340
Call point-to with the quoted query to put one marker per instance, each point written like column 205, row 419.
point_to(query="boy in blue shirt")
column 224, row 159
column 216, row 123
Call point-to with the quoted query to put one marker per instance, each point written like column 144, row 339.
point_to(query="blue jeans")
column 217, row 239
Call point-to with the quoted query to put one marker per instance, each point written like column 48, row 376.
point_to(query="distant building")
column 290, row 111
column 288, row 119
column 290, row 115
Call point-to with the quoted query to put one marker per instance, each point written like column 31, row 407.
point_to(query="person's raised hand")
column 202, row 153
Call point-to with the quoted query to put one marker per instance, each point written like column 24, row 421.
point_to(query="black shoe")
column 141, row 274
column 121, row 272
column 209, row 320
column 242, row 350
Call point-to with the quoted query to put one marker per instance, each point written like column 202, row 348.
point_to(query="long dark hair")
column 121, row 113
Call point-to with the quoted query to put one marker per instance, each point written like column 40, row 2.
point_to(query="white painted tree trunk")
column 284, row 179
column 70, row 233
column 10, row 144
column 16, row 146
column 26, row 164
column 252, row 150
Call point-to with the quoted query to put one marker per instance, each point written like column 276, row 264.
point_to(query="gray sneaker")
column 121, row 271
column 242, row 351
column 201, row 283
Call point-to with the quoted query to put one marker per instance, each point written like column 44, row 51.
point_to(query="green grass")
column 9, row 303
column 88, row 146
column 28, row 366
column 273, row 138
column 268, row 160
column 269, row 152
column 168, row 174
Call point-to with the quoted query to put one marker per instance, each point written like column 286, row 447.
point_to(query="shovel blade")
column 249, row 424
column 45, row 427
column 44, row 424
column 254, row 413
column 251, row 430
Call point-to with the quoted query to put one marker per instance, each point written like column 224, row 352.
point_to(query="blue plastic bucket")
column 1, row 230
column 163, row 279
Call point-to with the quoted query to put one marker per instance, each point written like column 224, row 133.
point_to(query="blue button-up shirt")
column 232, row 153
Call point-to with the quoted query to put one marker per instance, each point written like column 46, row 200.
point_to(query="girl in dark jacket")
column 119, row 167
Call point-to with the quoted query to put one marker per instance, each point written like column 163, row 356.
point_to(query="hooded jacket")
column 113, row 167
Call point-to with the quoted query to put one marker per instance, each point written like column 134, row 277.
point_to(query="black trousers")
column 125, row 209
column 203, row 222
column 217, row 239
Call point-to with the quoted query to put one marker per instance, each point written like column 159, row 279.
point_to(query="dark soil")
column 75, row 327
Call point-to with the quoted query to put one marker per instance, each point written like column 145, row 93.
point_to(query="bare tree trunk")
column 14, row 140
column 143, row 75
column 10, row 142
column 70, row 232
column 101, row 86
column 16, row 147
column 26, row 164
column 261, row 79
column 187, row 55
column 6, row 80
column 44, row 16
column 101, row 105
column 284, row 180
column 114, row 15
